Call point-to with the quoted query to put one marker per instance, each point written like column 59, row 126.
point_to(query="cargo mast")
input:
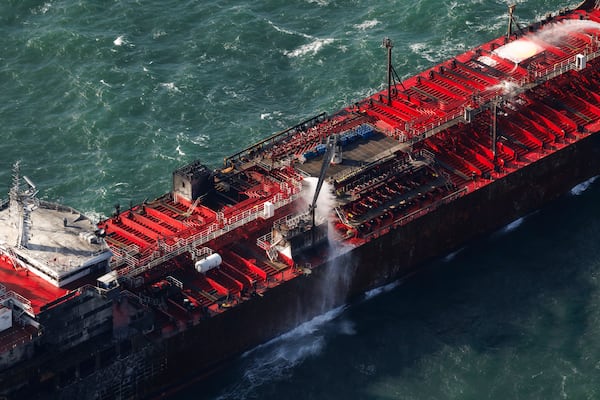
column 387, row 43
column 511, row 21
column 392, row 76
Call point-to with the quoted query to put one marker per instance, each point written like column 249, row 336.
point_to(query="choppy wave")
column 276, row 359
column 119, row 41
column 382, row 289
column 513, row 225
column 583, row 186
column 170, row 87
column 451, row 256
column 310, row 48
column 371, row 23
column 288, row 31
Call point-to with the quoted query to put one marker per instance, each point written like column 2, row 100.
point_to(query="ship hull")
column 162, row 365
column 395, row 255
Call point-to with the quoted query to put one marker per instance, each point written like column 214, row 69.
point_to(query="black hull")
column 395, row 255
column 162, row 365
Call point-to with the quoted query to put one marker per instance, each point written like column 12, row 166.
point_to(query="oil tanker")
column 166, row 291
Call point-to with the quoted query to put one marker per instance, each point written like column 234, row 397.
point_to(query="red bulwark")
column 38, row 291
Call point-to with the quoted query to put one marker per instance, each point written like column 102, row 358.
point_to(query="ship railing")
column 130, row 250
column 417, row 213
column 277, row 137
column 264, row 242
column 244, row 216
column 176, row 282
column 428, row 155
column 561, row 67
column 419, row 134
column 290, row 220
column 264, row 165
column 137, row 266
column 17, row 299
column 202, row 251
column 126, row 255
column 341, row 215
column 415, row 135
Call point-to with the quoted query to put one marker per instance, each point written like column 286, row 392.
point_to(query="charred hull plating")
column 374, row 264
column 168, row 291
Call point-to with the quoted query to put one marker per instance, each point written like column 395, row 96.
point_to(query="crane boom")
column 327, row 157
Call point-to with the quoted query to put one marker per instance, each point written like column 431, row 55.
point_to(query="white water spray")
column 557, row 33
column 382, row 289
column 276, row 359
column 325, row 202
column 339, row 271
column 513, row 225
column 508, row 88
column 583, row 186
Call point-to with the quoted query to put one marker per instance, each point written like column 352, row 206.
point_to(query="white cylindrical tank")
column 206, row 264
column 268, row 209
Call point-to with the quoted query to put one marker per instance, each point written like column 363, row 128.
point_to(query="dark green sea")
column 101, row 100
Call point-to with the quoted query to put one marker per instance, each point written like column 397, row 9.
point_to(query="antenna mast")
column 387, row 43
column 511, row 20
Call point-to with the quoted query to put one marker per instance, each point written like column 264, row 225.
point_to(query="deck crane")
column 330, row 151
column 298, row 233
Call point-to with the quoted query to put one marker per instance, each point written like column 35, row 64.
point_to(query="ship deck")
column 356, row 155
column 403, row 156
column 31, row 291
column 439, row 135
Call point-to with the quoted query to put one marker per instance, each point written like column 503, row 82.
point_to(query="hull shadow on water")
column 510, row 314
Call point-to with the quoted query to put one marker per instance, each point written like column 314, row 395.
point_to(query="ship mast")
column 511, row 10
column 22, row 204
column 494, row 127
column 512, row 21
column 392, row 76
column 387, row 43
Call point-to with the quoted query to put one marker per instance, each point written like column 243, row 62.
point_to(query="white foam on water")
column 179, row 151
column 420, row 48
column 288, row 31
column 158, row 34
column 120, row 40
column 94, row 216
column 583, row 186
column 275, row 359
column 451, row 256
column 493, row 25
column 322, row 3
column 200, row 140
column 270, row 115
column 170, row 86
column 382, row 289
column 310, row 48
column 434, row 53
column 513, row 225
column 368, row 24
column 43, row 9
